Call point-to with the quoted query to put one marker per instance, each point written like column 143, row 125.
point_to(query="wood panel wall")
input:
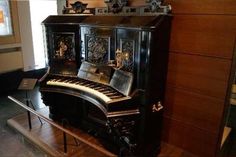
column 201, row 49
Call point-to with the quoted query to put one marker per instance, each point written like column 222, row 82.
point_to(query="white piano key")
column 80, row 87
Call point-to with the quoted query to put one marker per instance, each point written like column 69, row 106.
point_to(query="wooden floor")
column 50, row 139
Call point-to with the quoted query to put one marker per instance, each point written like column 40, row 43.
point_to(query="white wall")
column 26, row 35
column 37, row 16
column 10, row 61
column 60, row 6
column 31, row 13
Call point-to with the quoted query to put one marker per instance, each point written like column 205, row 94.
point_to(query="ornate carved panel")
column 127, row 47
column 97, row 44
column 97, row 49
column 64, row 46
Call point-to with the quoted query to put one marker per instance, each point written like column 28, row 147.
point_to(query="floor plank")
column 50, row 139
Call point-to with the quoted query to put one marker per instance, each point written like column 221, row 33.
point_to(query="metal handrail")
column 100, row 149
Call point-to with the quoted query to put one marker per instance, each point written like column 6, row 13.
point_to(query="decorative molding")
column 115, row 6
column 10, row 46
column 119, row 7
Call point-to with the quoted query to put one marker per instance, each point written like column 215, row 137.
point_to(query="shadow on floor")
column 12, row 143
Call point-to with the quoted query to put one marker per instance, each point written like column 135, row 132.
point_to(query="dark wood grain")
column 50, row 139
column 189, row 138
column 200, row 74
column 203, row 7
column 196, row 110
column 183, row 6
column 208, row 35
column 202, row 42
column 202, row 46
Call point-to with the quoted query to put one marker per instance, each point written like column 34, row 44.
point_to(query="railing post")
column 30, row 102
column 28, row 112
column 64, row 136
column 65, row 131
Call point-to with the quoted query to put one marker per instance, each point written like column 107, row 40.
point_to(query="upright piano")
column 107, row 75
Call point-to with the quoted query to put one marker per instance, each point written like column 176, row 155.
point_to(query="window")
column 9, row 26
column 5, row 18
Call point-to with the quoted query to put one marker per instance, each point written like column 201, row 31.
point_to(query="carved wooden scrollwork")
column 116, row 6
column 97, row 49
column 121, row 7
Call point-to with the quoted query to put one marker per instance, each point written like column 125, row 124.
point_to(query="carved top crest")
column 152, row 7
column 120, row 7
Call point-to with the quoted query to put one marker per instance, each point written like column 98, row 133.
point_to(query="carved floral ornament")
column 118, row 7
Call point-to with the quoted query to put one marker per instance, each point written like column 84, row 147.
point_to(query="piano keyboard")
column 106, row 93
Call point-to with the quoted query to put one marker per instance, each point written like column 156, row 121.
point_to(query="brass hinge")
column 157, row 107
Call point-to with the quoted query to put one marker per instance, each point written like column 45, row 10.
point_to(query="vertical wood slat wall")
column 201, row 49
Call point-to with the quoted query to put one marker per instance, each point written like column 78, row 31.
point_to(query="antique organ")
column 107, row 76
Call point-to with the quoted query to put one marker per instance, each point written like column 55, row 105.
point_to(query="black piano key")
column 80, row 83
column 112, row 94
column 61, row 79
column 53, row 80
column 97, row 88
column 72, row 81
column 58, row 80
column 83, row 82
column 65, row 81
column 108, row 93
column 92, row 86
column 104, row 89
column 87, row 84
column 115, row 97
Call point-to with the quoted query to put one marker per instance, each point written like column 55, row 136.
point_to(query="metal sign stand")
column 28, row 84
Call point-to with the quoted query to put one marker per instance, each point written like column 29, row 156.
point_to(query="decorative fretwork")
column 115, row 6
column 127, row 48
column 120, row 7
column 97, row 49
column 64, row 46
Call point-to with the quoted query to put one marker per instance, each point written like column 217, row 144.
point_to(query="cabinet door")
column 128, row 42
column 9, row 23
column 97, row 44
column 63, row 47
